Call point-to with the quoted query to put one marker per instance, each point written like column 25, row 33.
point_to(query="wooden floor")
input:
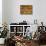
column 42, row 45
column 34, row 44
column 1, row 45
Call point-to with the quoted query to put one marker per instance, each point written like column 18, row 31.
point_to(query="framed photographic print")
column 26, row 9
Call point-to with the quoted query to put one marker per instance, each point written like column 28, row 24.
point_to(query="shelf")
column 12, row 32
column 19, row 32
column 20, row 29
column 16, row 32
column 23, row 25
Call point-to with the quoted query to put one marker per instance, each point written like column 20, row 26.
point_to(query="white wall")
column 4, row 11
column 0, row 13
column 12, row 8
column 17, row 17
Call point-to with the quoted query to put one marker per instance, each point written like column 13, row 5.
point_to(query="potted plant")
column 3, row 34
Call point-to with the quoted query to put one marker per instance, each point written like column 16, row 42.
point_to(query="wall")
column 17, row 17
column 12, row 8
column 0, row 13
column 4, row 11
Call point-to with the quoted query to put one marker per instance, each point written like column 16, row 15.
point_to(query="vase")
column 2, row 40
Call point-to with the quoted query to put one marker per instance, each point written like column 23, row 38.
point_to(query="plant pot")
column 2, row 40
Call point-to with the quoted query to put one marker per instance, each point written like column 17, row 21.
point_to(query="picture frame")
column 26, row 9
